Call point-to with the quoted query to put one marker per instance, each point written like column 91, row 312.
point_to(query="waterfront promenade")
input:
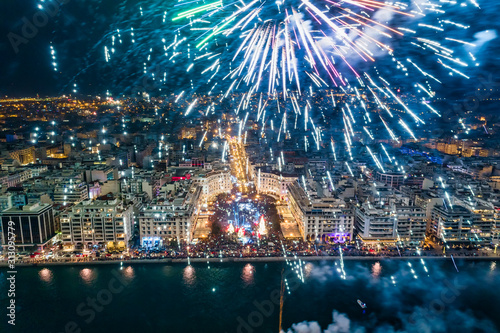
column 93, row 261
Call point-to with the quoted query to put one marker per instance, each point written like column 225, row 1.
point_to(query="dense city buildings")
column 165, row 185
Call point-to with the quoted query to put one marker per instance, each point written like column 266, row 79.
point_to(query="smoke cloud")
column 402, row 301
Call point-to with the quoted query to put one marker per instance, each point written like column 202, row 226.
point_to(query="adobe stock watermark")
column 11, row 273
column 266, row 308
column 88, row 309
column 437, row 306
column 30, row 28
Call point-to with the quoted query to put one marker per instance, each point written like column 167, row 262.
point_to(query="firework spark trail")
column 281, row 51
column 264, row 36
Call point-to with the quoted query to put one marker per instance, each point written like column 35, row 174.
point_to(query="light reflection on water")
column 87, row 275
column 237, row 285
column 308, row 269
column 129, row 272
column 376, row 269
column 189, row 276
column 247, row 274
column 45, row 275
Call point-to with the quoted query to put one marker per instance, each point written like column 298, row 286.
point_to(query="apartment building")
column 98, row 223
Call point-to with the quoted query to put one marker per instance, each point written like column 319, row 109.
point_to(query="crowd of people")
column 271, row 246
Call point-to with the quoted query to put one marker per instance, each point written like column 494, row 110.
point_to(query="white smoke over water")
column 436, row 303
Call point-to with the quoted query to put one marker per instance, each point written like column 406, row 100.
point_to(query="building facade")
column 392, row 179
column 71, row 192
column 273, row 184
column 214, row 183
column 320, row 219
column 162, row 221
column 452, row 224
column 99, row 223
column 33, row 225
column 395, row 223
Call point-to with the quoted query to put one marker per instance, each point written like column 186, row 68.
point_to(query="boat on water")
column 361, row 304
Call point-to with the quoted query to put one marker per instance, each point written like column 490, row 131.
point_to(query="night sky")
column 80, row 30
column 27, row 72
